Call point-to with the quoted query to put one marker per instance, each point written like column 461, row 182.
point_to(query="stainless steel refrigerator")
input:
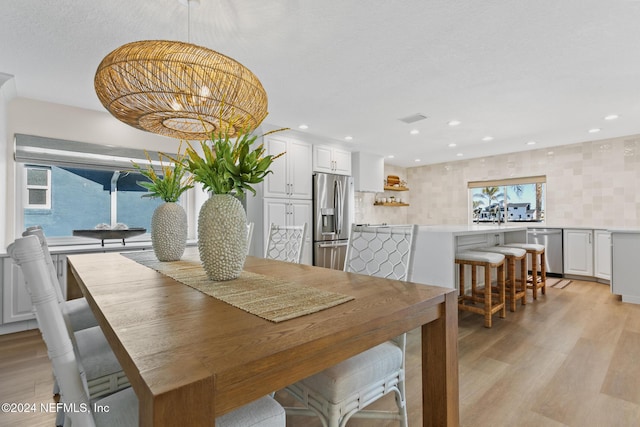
column 332, row 215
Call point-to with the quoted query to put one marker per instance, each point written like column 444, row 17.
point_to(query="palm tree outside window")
column 508, row 200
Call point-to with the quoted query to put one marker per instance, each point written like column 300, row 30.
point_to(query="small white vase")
column 222, row 237
column 169, row 231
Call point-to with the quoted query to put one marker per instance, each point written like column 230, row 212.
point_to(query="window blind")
column 60, row 152
column 541, row 179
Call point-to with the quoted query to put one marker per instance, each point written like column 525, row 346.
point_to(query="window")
column 70, row 185
column 83, row 198
column 38, row 187
column 508, row 200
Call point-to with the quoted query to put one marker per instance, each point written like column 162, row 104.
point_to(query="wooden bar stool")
column 488, row 261
column 537, row 259
column 515, row 289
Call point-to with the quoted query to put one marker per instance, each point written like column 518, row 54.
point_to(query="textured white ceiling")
column 543, row 70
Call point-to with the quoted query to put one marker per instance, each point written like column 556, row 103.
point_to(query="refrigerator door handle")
column 333, row 245
column 339, row 209
column 336, row 213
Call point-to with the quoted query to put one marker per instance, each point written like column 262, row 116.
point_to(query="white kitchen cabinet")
column 578, row 252
column 287, row 212
column 15, row 298
column 602, row 254
column 291, row 174
column 16, row 303
column 368, row 172
column 331, row 160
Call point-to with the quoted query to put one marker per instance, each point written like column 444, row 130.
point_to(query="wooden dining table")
column 191, row 357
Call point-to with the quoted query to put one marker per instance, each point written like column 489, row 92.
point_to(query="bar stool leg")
column 543, row 273
column 511, row 274
column 523, row 279
column 534, row 274
column 487, row 296
column 501, row 292
column 474, row 285
column 461, row 282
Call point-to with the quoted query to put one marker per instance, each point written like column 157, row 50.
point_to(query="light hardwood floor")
column 572, row 358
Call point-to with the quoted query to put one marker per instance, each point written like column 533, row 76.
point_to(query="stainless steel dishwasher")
column 551, row 238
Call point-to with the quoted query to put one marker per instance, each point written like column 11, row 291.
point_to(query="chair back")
column 37, row 231
column 382, row 251
column 249, row 236
column 28, row 255
column 285, row 242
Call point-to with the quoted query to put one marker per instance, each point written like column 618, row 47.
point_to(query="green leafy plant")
column 227, row 166
column 171, row 184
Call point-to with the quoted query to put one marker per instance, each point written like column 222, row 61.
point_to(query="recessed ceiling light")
column 348, row 138
column 303, row 127
column 454, row 122
column 417, row 160
column 414, row 132
column 487, row 138
column 453, row 144
column 594, row 130
column 611, row 117
column 459, row 154
column 531, row 143
column 391, row 156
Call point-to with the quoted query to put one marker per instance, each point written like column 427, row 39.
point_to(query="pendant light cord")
column 188, row 21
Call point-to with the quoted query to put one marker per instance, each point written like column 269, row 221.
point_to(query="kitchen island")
column 436, row 247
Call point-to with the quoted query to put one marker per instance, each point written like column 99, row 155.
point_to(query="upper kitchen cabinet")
column 368, row 172
column 291, row 175
column 331, row 160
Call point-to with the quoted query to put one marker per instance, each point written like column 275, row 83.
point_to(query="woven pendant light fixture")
column 179, row 90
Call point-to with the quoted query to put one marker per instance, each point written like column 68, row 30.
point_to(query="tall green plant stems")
column 228, row 166
column 171, row 184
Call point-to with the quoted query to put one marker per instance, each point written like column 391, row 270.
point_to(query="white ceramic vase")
column 222, row 237
column 169, row 231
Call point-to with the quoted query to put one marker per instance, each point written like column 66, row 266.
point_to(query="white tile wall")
column 591, row 184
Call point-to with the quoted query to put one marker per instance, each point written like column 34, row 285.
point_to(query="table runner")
column 267, row 297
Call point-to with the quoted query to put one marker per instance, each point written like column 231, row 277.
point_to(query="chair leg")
column 523, row 279
column 401, row 401
column 474, row 284
column 512, row 282
column 502, row 293
column 487, row 296
column 534, row 275
column 543, row 273
column 462, row 287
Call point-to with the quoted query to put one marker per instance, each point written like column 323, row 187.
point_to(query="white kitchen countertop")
column 461, row 230
column 630, row 230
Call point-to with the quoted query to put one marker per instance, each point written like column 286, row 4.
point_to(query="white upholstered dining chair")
column 250, row 227
column 103, row 371
column 77, row 312
column 122, row 405
column 285, row 243
column 343, row 391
